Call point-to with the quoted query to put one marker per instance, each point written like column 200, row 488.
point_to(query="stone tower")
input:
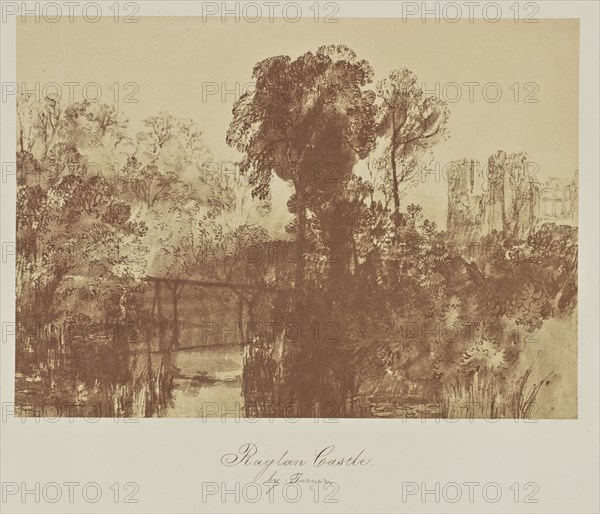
column 495, row 217
column 464, row 205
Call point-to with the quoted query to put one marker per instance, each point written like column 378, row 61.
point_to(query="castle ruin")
column 506, row 196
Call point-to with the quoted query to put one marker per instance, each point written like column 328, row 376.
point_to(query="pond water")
column 94, row 379
column 208, row 384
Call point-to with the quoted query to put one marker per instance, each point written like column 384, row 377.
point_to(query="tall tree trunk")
column 240, row 315
column 300, row 286
column 251, row 332
column 395, row 186
column 159, row 314
column 393, row 150
column 340, row 242
column 175, row 332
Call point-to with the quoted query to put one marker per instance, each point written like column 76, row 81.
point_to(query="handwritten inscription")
column 248, row 455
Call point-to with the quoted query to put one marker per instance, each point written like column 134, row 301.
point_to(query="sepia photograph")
column 308, row 229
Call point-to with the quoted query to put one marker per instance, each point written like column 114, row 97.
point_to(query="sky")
column 173, row 61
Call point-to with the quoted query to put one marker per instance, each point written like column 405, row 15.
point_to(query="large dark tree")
column 308, row 121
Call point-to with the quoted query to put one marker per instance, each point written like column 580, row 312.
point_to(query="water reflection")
column 94, row 375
